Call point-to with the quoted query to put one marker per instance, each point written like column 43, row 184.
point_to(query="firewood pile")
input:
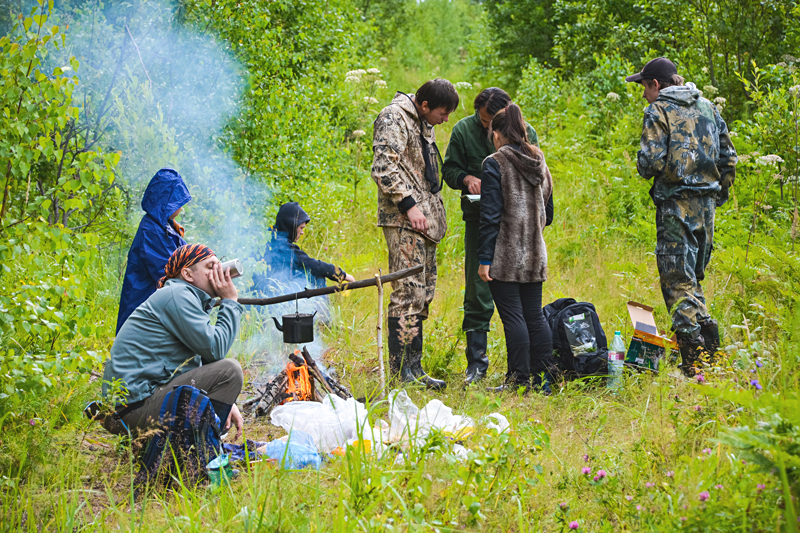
column 301, row 380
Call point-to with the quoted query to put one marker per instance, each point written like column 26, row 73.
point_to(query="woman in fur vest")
column 516, row 205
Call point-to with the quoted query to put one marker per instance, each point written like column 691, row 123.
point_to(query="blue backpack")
column 187, row 438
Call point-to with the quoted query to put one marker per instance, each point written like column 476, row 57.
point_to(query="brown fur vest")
column 520, row 252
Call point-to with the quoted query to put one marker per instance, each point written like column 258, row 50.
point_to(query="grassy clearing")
column 655, row 439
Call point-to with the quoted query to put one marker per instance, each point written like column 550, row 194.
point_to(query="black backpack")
column 579, row 343
column 188, row 431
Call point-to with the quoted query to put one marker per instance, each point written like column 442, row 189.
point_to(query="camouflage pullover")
column 399, row 170
column 686, row 147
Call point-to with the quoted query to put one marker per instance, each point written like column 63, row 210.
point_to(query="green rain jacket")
column 169, row 334
column 469, row 145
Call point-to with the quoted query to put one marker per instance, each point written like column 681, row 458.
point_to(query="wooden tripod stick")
column 380, row 333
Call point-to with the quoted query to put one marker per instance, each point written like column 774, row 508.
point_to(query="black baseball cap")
column 660, row 68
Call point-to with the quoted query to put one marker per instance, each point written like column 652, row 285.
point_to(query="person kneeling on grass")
column 169, row 341
column 516, row 205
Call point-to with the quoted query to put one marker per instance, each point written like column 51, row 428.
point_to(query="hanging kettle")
column 297, row 328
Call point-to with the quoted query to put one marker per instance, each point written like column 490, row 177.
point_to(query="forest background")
column 256, row 103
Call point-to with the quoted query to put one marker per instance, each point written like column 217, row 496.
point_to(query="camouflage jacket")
column 399, row 170
column 686, row 147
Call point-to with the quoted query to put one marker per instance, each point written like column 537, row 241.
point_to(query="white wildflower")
column 463, row 85
column 795, row 90
column 612, row 96
column 732, row 134
column 705, row 70
column 770, row 159
column 720, row 101
column 380, row 84
column 370, row 100
column 743, row 158
column 789, row 58
column 383, row 60
column 359, row 133
column 357, row 73
column 352, row 79
column 710, row 90
column 373, row 71
column 781, row 64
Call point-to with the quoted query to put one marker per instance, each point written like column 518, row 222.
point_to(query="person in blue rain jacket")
column 157, row 237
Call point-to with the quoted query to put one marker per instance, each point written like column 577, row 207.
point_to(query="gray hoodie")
column 169, row 334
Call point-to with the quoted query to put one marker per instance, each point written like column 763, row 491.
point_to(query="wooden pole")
column 310, row 293
column 380, row 333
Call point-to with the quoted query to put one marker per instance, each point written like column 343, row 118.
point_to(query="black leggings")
column 528, row 338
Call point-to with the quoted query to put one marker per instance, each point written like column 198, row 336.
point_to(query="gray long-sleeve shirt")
column 169, row 334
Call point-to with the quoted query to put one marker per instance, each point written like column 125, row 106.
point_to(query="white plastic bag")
column 331, row 423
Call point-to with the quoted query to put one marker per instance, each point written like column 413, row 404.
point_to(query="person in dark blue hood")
column 157, row 237
column 286, row 261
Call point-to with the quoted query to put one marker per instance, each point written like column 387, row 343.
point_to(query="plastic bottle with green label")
column 616, row 359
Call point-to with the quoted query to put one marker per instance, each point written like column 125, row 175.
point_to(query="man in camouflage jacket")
column 411, row 213
column 686, row 148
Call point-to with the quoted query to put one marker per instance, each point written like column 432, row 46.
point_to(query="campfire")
column 300, row 381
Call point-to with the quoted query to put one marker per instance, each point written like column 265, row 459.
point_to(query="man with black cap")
column 686, row 148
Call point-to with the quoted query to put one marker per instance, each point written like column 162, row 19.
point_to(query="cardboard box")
column 647, row 347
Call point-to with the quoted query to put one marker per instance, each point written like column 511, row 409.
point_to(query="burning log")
column 326, row 381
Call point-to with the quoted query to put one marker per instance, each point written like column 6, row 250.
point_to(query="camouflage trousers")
column 411, row 295
column 685, row 238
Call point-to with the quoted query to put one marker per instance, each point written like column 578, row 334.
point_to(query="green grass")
column 654, row 431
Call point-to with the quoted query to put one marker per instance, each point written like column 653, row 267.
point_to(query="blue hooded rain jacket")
column 154, row 242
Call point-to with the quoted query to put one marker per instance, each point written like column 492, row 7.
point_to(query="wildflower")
column 370, row 100
column 32, row 422
column 759, row 364
column 601, row 473
column 720, row 101
column 770, row 159
column 638, row 507
column 794, row 89
column 373, row 71
column 614, row 97
column 701, row 378
column 670, row 474
column 585, row 458
column 359, row 133
column 710, row 89
column 649, row 485
column 781, row 64
column 383, row 60
column 463, row 85
column 563, row 505
column 732, row 134
column 756, row 384
column 719, row 487
column 596, row 478
column 707, row 451
column 586, row 470
column 683, row 519
column 573, row 524
column 352, row 79
column 761, row 487
column 380, row 84
column 743, row 158
column 629, row 498
column 697, row 408
column 703, row 496
column 705, row 70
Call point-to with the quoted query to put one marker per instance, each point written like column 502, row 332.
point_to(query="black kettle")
column 297, row 328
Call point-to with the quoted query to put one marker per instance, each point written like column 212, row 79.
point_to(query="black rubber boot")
column 691, row 354
column 405, row 353
column 710, row 332
column 477, row 361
